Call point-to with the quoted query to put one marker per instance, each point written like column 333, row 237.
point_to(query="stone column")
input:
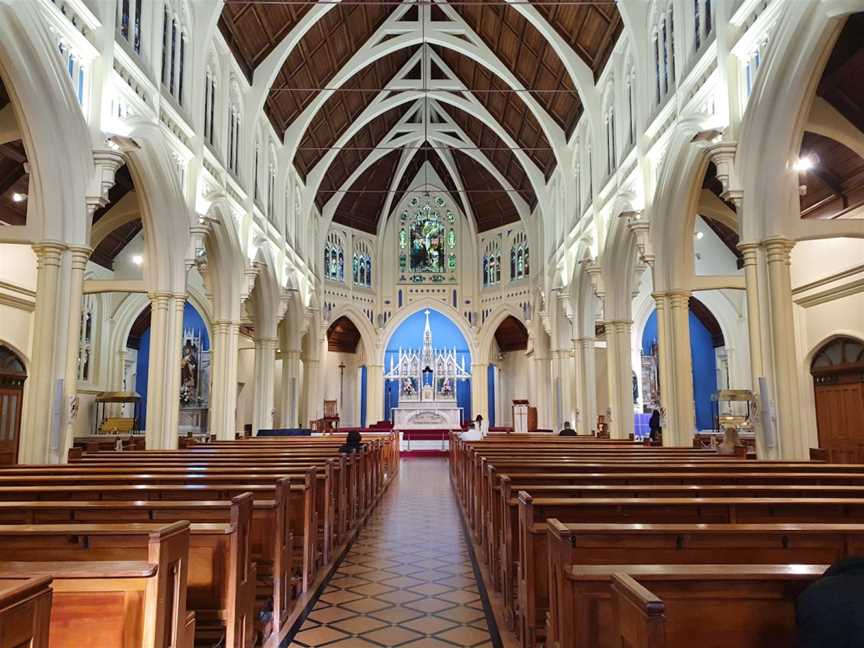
column 790, row 443
column 750, row 253
column 265, row 365
column 78, row 256
column 37, row 420
column 374, row 393
column 620, row 376
column 223, row 393
column 680, row 420
column 480, row 390
column 310, row 407
column 584, row 380
column 163, row 375
column 172, row 364
column 288, row 415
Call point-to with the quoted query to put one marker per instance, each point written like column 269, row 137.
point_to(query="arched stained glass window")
column 424, row 238
column 519, row 265
column 361, row 265
column 492, row 263
column 334, row 259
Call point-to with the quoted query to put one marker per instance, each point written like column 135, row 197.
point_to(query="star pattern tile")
column 408, row 579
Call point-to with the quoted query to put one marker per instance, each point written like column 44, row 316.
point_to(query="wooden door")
column 11, row 399
column 840, row 420
column 838, row 379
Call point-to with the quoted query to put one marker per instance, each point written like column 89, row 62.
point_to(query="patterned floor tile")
column 407, row 580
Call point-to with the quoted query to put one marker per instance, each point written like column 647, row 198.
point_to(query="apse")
column 445, row 335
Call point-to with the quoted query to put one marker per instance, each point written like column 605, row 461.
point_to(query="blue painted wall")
column 191, row 319
column 363, row 379
column 490, row 377
column 704, row 366
column 409, row 335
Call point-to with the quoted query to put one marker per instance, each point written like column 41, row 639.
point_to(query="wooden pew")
column 25, row 612
column 745, row 606
column 165, row 617
column 578, row 545
column 533, row 576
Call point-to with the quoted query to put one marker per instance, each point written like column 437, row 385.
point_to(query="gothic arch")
column 490, row 326
column 368, row 336
column 432, row 304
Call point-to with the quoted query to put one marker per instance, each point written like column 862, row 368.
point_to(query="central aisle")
column 408, row 579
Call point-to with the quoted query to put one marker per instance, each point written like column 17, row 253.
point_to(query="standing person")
column 655, row 430
column 567, row 430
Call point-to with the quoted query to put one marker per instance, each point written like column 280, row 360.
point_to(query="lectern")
column 524, row 417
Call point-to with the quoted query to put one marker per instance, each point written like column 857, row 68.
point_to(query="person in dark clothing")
column 830, row 612
column 353, row 442
column 567, row 430
column 655, row 432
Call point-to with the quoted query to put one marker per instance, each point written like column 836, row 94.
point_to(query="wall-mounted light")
column 137, row 259
column 805, row 163
column 18, row 197
column 699, row 235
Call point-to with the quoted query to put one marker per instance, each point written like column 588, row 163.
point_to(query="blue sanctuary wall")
column 363, row 380
column 409, row 335
column 191, row 320
column 704, row 365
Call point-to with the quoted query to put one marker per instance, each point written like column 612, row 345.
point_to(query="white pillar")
column 163, row 375
column 374, row 393
column 791, row 444
column 681, row 418
column 78, row 256
column 620, row 378
column 37, row 419
column 480, row 390
column 584, row 379
column 265, row 365
column 223, row 393
column 288, row 415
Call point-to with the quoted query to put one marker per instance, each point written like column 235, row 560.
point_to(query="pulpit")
column 524, row 417
column 330, row 421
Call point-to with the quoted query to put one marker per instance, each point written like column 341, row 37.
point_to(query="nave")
column 408, row 579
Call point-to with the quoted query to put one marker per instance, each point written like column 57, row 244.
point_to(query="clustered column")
column 620, row 377
column 480, row 389
column 163, row 375
column 290, row 384
column 584, row 379
column 265, row 361
column 223, row 394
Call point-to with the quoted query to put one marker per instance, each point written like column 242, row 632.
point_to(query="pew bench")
column 25, row 612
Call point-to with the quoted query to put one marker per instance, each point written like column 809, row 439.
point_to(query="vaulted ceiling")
column 254, row 29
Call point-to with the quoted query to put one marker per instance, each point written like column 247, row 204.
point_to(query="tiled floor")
column 408, row 580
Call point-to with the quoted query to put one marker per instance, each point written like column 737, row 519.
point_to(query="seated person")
column 567, row 430
column 353, row 442
column 830, row 612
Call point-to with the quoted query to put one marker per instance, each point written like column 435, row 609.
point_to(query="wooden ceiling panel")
column 842, row 83
column 504, row 106
column 113, row 244
column 421, row 155
column 361, row 206
column 835, row 183
column 490, row 203
column 590, row 29
column 511, row 335
column 343, row 336
column 356, row 150
column 501, row 156
column 319, row 55
column 13, row 179
column 523, row 50
column 253, row 30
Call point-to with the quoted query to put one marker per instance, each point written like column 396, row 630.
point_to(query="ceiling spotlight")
column 19, row 197
column 699, row 235
column 805, row 163
column 137, row 259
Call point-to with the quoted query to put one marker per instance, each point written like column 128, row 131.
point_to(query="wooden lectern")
column 524, row 417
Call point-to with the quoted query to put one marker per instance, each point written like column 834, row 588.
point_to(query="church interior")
column 431, row 323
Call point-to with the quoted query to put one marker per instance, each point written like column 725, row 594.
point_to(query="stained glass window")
column 492, row 263
column 334, row 259
column 362, row 265
column 427, row 234
column 519, row 266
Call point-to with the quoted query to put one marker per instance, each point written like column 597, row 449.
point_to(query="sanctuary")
column 427, row 386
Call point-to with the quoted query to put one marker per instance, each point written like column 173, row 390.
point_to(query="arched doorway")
column 508, row 371
column 349, row 391
column 838, row 383
column 12, row 377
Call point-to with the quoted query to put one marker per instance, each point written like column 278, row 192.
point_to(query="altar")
column 427, row 380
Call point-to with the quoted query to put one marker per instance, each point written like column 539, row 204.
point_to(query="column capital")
column 80, row 255
column 778, row 249
column 226, row 326
column 749, row 250
column 159, row 298
column 584, row 342
column 265, row 343
column 48, row 253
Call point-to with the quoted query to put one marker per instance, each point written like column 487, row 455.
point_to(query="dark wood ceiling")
column 421, row 155
column 13, row 179
column 505, row 106
column 356, row 150
column 835, row 183
column 362, row 204
column 491, row 204
column 496, row 150
column 139, row 326
column 253, row 29
column 591, row 29
column 319, row 55
column 342, row 108
column 113, row 244
column 726, row 234
column 524, row 51
column 343, row 336
column 511, row 335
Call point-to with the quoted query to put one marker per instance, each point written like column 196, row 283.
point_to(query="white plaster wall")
column 602, row 384
column 245, row 381
column 513, row 372
column 349, row 409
